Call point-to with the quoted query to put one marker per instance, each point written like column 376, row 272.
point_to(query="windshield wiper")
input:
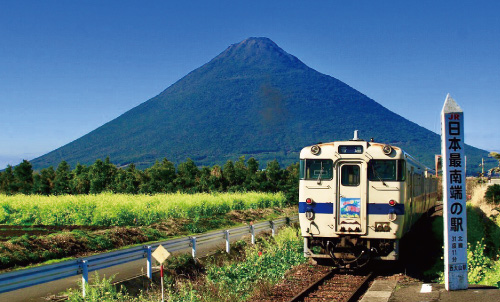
column 378, row 176
column 320, row 172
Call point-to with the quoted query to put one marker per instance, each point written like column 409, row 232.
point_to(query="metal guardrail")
column 42, row 274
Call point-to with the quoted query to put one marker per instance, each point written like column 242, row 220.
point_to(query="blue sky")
column 67, row 67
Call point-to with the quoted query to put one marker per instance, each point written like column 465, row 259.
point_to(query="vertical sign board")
column 455, row 217
column 161, row 254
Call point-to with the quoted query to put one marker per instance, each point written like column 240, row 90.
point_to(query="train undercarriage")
column 351, row 252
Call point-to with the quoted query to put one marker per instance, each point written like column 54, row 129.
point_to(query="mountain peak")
column 258, row 50
column 253, row 100
column 257, row 42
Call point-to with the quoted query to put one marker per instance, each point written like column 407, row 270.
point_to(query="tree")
column 187, row 174
column 216, row 181
column 160, row 177
column 80, row 182
column 62, row 181
column 492, row 194
column 240, row 172
column 43, row 182
column 229, row 174
column 274, row 176
column 291, row 186
column 109, row 173
column 251, row 177
column 119, row 181
column 253, row 166
column 7, row 181
column 204, row 180
column 496, row 156
column 132, row 180
column 145, row 182
column 101, row 176
column 23, row 175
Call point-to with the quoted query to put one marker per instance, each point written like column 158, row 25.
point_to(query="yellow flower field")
column 108, row 209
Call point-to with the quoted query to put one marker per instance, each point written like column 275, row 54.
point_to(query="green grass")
column 28, row 250
column 483, row 248
column 234, row 279
column 109, row 209
column 267, row 262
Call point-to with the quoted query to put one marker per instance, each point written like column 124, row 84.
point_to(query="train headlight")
column 315, row 150
column 309, row 201
column 387, row 149
column 392, row 202
column 382, row 227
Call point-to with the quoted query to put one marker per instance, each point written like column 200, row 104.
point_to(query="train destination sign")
column 454, row 207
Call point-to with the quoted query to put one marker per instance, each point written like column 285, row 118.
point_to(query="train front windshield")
column 386, row 170
column 313, row 169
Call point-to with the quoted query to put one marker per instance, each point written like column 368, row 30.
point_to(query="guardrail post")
column 287, row 221
column 149, row 263
column 252, row 231
column 273, row 231
column 81, row 266
column 85, row 276
column 193, row 247
column 227, row 242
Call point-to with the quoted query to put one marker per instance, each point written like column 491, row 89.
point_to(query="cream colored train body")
column 357, row 199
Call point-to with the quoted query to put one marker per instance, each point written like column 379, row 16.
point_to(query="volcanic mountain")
column 256, row 100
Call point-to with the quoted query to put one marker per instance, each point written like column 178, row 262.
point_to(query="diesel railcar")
column 358, row 198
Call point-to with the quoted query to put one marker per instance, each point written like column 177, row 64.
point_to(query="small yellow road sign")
column 161, row 254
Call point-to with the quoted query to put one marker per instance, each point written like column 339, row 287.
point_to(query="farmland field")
column 34, row 228
column 109, row 209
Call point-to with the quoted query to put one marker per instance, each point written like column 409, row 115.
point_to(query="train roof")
column 369, row 149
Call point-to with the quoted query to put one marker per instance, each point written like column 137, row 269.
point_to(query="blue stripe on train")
column 384, row 208
column 320, row 208
column 373, row 208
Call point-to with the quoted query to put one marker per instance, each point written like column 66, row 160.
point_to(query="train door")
column 351, row 214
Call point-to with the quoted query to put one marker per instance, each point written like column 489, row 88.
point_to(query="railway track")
column 335, row 286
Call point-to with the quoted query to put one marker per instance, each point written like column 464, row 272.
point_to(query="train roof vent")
column 355, row 138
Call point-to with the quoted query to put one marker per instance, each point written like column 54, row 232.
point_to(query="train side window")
column 350, row 175
column 401, row 170
column 314, row 169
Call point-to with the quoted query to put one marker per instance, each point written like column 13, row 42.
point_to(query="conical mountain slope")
column 253, row 99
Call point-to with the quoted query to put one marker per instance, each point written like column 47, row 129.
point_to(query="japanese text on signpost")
column 455, row 219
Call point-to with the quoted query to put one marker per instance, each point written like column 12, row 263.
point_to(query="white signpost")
column 454, row 197
column 161, row 254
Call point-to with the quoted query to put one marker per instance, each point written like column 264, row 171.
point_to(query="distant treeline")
column 162, row 177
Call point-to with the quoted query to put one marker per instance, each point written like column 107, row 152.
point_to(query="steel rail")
column 313, row 287
column 361, row 288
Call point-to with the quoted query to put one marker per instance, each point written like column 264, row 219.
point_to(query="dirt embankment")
column 32, row 245
column 477, row 200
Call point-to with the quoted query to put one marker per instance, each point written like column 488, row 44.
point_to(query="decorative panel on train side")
column 350, row 207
